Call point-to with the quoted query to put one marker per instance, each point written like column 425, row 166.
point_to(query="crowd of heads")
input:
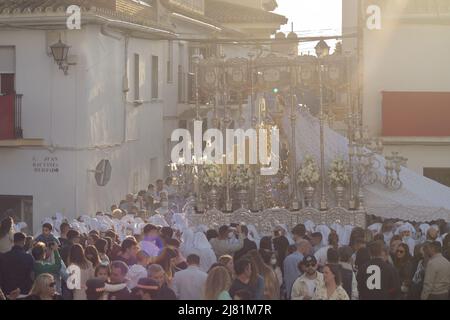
column 126, row 255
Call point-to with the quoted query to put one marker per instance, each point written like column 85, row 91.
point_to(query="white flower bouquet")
column 212, row 176
column 308, row 175
column 242, row 177
column 338, row 173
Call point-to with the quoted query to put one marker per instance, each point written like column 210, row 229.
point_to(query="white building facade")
column 126, row 90
column 406, row 61
column 84, row 117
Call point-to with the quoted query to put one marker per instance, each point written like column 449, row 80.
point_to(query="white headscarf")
column 287, row 233
column 85, row 218
column 201, row 228
column 346, row 235
column 325, row 231
column 158, row 220
column 201, row 242
column 253, row 234
column 80, row 227
column 94, row 224
column 187, row 244
column 20, row 226
column 340, row 231
column 309, row 225
column 404, row 227
column 375, row 228
column 424, row 228
column 204, row 250
column 179, row 220
column 103, row 227
column 411, row 228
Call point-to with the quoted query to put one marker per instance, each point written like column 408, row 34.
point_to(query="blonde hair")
column 225, row 259
column 117, row 214
column 218, row 280
column 41, row 283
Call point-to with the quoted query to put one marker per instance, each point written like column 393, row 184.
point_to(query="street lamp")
column 295, row 205
column 196, row 60
column 322, row 50
column 60, row 52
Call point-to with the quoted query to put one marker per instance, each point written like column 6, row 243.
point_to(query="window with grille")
column 170, row 62
column 155, row 77
column 441, row 175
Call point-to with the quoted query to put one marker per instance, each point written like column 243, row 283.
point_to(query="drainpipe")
column 104, row 31
column 125, row 88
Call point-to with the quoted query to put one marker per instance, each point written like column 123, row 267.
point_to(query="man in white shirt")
column 291, row 262
column 189, row 284
column 305, row 286
column 436, row 284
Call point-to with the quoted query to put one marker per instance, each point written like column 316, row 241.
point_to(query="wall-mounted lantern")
column 60, row 52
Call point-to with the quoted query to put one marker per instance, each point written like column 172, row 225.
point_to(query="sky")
column 311, row 18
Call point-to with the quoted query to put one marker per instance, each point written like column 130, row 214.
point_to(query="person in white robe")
column 405, row 231
column 204, row 251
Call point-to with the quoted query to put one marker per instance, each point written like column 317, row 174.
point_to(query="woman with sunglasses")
column 403, row 262
column 44, row 288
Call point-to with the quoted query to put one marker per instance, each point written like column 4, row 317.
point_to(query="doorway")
column 19, row 207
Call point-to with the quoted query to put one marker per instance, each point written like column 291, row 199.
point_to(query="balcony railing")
column 11, row 117
column 197, row 6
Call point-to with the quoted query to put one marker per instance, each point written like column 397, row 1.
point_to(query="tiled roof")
column 225, row 12
column 37, row 6
column 190, row 14
column 132, row 13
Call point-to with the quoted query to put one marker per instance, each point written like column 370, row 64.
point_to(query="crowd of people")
column 123, row 255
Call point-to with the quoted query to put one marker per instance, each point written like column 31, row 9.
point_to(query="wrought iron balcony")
column 11, row 117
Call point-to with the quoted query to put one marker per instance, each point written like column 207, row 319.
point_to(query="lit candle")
column 366, row 133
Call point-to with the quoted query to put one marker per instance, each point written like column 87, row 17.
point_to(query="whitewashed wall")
column 402, row 57
column 82, row 116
